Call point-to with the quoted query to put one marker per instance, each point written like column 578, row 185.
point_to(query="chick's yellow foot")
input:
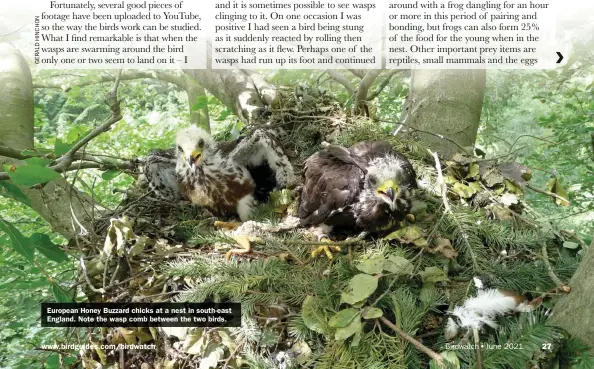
column 326, row 249
column 227, row 225
column 246, row 247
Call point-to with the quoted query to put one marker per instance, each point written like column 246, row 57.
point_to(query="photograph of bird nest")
column 360, row 218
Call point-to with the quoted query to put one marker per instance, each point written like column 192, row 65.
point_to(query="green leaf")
column 59, row 294
column 427, row 291
column 356, row 339
column 61, row 148
column 201, row 103
column 570, row 245
column 473, row 170
column 555, row 187
column 450, row 358
column 492, row 177
column 31, row 175
column 31, row 153
column 360, row 287
column 354, row 327
column 110, row 174
column 405, row 235
column 465, row 191
column 212, row 355
column 421, row 242
column 398, row 264
column 8, row 189
column 224, row 115
column 76, row 133
column 194, row 341
column 38, row 161
column 19, row 243
column 343, row 318
column 509, row 199
column 372, row 313
column 52, row 361
column 433, row 275
column 49, row 249
column 68, row 361
column 313, row 315
column 373, row 265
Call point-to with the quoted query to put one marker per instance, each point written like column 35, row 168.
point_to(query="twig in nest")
column 446, row 204
column 554, row 291
column 535, row 189
column 378, row 299
column 441, row 183
column 545, row 258
column 573, row 235
column 89, row 283
column 424, row 349
column 479, row 356
column 232, row 355
column 426, row 132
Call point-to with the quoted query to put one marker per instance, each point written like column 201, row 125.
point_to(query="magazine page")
column 296, row 184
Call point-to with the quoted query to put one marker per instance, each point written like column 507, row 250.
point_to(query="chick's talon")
column 246, row 247
column 227, row 225
column 327, row 249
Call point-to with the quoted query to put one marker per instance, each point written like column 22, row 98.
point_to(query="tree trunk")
column 53, row 201
column 194, row 90
column 16, row 99
column 577, row 305
column 447, row 103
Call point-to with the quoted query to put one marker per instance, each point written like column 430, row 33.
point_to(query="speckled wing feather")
column 159, row 170
column 227, row 147
column 331, row 183
column 262, row 147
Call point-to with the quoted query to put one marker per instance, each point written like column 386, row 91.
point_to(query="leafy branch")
column 71, row 160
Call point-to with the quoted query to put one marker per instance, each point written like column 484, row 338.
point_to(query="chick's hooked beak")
column 388, row 189
column 195, row 157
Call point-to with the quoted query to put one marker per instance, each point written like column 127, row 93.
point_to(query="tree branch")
column 358, row 72
column 363, row 89
column 383, row 84
column 100, row 161
column 12, row 153
column 340, row 78
column 424, row 349
column 65, row 162
column 545, row 258
column 176, row 79
column 554, row 195
column 100, row 165
column 441, row 183
column 111, row 99
column 243, row 92
column 426, row 132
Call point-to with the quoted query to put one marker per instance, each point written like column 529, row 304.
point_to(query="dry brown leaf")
column 444, row 247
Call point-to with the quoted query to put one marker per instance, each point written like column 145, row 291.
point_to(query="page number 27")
column 547, row 346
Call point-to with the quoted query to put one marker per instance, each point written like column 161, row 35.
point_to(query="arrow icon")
column 560, row 57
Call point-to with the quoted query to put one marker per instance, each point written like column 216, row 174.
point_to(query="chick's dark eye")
column 372, row 180
column 200, row 143
column 179, row 148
